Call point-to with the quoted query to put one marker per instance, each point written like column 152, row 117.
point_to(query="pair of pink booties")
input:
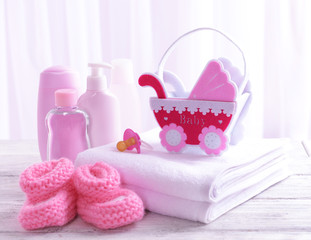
column 56, row 192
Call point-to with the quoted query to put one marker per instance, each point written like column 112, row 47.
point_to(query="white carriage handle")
column 173, row 45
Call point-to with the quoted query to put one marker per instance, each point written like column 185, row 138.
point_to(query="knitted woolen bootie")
column 101, row 201
column 51, row 196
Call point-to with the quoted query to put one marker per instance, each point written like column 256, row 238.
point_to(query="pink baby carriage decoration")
column 206, row 116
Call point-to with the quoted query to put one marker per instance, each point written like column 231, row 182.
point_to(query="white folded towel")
column 191, row 175
column 204, row 212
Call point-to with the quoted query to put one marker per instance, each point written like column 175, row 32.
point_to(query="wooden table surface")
column 281, row 212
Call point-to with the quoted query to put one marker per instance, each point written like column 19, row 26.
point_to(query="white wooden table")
column 281, row 212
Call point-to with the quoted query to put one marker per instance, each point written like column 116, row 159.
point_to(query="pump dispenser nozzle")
column 96, row 81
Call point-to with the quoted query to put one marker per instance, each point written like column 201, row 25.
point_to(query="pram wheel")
column 212, row 140
column 173, row 137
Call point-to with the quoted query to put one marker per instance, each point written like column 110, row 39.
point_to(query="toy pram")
column 208, row 116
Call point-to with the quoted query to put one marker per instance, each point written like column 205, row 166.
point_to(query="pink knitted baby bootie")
column 101, row 201
column 51, row 197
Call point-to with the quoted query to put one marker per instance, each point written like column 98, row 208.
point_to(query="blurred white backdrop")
column 274, row 35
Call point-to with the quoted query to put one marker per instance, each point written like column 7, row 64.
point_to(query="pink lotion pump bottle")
column 102, row 107
column 51, row 79
column 67, row 127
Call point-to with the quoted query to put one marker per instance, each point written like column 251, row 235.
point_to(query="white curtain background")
column 275, row 36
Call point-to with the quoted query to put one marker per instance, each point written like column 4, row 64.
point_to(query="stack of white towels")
column 191, row 185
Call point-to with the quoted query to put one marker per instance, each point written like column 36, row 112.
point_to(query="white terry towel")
column 204, row 211
column 192, row 175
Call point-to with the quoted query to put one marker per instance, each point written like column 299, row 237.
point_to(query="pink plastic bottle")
column 102, row 107
column 67, row 127
column 51, row 79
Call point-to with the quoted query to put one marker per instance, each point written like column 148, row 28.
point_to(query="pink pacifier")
column 130, row 140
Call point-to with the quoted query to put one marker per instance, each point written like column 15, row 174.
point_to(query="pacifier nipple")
column 123, row 145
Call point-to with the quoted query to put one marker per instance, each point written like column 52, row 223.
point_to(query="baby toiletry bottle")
column 124, row 87
column 51, row 79
column 67, row 126
column 102, row 107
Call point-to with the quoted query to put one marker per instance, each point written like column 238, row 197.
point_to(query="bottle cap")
column 122, row 71
column 56, row 76
column 66, row 97
column 97, row 81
